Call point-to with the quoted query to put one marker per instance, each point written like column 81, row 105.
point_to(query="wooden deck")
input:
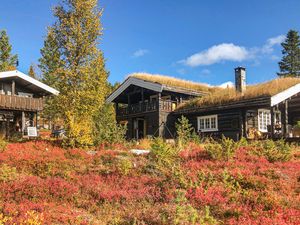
column 144, row 107
column 21, row 103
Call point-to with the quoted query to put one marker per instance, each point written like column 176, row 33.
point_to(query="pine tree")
column 31, row 72
column 290, row 63
column 7, row 60
column 81, row 77
column 49, row 64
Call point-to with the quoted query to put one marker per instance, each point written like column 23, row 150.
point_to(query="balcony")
column 145, row 107
column 21, row 103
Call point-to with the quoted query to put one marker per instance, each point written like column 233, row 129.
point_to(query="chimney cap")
column 240, row 68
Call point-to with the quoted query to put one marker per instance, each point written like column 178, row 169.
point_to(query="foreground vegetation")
column 205, row 183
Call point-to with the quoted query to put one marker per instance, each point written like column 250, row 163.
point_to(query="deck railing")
column 163, row 105
column 15, row 102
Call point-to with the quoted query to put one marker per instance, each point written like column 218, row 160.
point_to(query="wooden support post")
column 286, row 118
column 158, row 102
column 13, row 88
column 23, row 122
column 272, row 122
column 36, row 119
column 241, row 125
column 245, row 123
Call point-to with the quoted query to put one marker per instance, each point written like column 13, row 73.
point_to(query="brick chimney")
column 240, row 79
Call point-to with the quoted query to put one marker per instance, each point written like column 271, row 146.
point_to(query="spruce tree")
column 31, row 72
column 81, row 77
column 49, row 64
column 290, row 63
column 8, row 61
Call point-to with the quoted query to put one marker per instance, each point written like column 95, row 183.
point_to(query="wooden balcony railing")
column 165, row 106
column 21, row 103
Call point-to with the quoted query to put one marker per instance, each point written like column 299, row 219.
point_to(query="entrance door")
column 139, row 128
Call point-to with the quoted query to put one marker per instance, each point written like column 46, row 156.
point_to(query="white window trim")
column 259, row 122
column 205, row 128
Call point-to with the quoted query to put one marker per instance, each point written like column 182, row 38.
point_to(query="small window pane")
column 207, row 123
column 201, row 126
column 213, row 123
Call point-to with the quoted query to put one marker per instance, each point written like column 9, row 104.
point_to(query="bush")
column 185, row 132
column 106, row 129
column 163, row 153
column 222, row 150
column 7, row 173
column 124, row 165
column 3, row 144
column 273, row 150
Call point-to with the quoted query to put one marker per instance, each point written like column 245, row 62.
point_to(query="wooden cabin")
column 21, row 99
column 144, row 103
column 267, row 110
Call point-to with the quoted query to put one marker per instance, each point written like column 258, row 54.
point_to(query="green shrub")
column 163, row 153
column 7, row 173
column 185, row 132
column 273, row 150
column 223, row 149
column 106, row 129
column 185, row 213
column 124, row 165
column 3, row 144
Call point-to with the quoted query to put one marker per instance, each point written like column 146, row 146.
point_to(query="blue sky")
column 193, row 39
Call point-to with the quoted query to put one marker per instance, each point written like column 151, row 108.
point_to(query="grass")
column 174, row 82
column 222, row 96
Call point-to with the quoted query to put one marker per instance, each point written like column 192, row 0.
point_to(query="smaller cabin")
column 265, row 110
column 144, row 103
column 21, row 99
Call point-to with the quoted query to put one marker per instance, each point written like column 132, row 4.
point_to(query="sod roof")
column 174, row 82
column 223, row 96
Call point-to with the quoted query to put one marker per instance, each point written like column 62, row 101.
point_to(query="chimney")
column 240, row 79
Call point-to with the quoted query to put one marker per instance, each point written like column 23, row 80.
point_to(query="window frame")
column 204, row 119
column 268, row 120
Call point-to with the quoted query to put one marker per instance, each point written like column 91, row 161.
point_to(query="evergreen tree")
column 49, row 64
column 7, row 60
column 81, row 77
column 31, row 72
column 290, row 63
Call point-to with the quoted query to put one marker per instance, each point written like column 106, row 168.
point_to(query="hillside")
column 41, row 183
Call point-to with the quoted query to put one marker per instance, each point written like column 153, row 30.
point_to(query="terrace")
column 146, row 107
column 15, row 102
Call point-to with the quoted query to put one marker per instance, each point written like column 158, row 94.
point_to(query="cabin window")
column 208, row 123
column 264, row 119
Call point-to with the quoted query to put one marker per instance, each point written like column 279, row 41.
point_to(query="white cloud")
column 140, row 53
column 271, row 42
column 218, row 53
column 227, row 84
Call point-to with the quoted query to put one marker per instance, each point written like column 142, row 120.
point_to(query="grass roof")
column 223, row 96
column 174, row 82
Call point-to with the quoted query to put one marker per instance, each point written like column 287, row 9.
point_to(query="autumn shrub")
column 124, row 165
column 106, row 129
column 7, row 173
column 273, row 150
column 3, row 144
column 162, row 154
column 222, row 150
column 185, row 132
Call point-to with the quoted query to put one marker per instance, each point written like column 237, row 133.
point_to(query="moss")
column 174, row 82
column 222, row 96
